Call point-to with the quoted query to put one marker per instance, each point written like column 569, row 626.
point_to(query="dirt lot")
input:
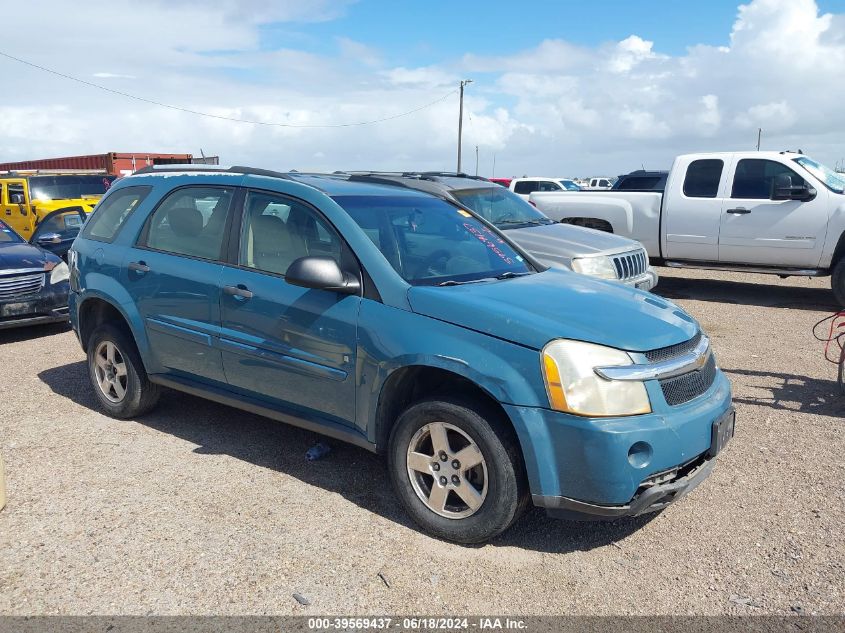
column 198, row 508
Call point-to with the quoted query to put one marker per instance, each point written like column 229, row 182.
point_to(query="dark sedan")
column 33, row 283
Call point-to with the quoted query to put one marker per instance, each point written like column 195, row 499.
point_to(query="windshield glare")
column 429, row 241
column 569, row 185
column 68, row 187
column 831, row 179
column 500, row 207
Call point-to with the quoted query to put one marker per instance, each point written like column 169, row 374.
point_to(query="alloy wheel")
column 110, row 371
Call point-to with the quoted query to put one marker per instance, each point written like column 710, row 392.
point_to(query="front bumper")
column 49, row 306
column 646, row 281
column 576, row 463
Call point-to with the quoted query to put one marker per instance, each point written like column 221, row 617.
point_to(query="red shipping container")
column 118, row 164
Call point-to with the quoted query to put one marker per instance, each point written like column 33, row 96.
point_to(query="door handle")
column 239, row 292
column 139, row 267
column 739, row 211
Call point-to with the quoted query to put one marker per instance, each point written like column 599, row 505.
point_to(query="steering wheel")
column 429, row 261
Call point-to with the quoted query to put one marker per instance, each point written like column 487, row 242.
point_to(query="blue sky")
column 422, row 33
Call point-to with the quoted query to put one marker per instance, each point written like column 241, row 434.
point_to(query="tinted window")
column 703, row 177
column 278, row 231
column 640, row 183
column 8, row 235
column 429, row 241
column 191, row 221
column 604, row 183
column 68, row 187
column 526, row 186
column 754, row 178
column 112, row 212
column 65, row 224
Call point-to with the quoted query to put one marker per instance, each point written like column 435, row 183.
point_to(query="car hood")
column 559, row 243
column 535, row 309
column 15, row 256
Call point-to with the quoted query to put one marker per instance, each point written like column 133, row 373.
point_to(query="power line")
column 91, row 84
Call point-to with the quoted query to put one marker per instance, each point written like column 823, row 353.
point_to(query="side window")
column 17, row 195
column 703, row 178
column 112, row 211
column 754, row 178
column 277, row 231
column 191, row 221
column 604, row 183
column 526, row 186
column 65, row 224
column 546, row 185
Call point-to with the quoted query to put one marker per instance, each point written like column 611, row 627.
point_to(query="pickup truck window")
column 703, row 177
column 832, row 180
column 430, row 242
column 754, row 178
column 526, row 186
column 545, row 185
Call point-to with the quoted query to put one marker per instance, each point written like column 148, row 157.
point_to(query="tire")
column 837, row 282
column 496, row 485
column 112, row 355
column 841, row 377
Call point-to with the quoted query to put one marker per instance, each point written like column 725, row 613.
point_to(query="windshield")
column 569, row 185
column 429, row 241
column 501, row 207
column 68, row 187
column 7, row 235
column 831, row 179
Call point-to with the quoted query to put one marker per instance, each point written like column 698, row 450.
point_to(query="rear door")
column 692, row 210
column 282, row 343
column 174, row 273
column 758, row 230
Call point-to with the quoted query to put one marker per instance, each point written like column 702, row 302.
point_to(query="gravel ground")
column 200, row 509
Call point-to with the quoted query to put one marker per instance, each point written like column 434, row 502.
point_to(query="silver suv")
column 586, row 251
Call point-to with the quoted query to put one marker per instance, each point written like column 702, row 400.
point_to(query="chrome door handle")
column 138, row 267
column 739, row 211
column 240, row 291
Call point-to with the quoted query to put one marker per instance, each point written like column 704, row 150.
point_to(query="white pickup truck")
column 764, row 212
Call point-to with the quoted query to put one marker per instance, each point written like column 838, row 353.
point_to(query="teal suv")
column 405, row 324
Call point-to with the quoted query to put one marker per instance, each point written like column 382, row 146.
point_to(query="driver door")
column 57, row 231
column 17, row 212
column 755, row 229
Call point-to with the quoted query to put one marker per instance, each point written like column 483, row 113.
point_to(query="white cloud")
column 555, row 108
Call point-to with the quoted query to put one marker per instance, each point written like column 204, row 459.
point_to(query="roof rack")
column 235, row 169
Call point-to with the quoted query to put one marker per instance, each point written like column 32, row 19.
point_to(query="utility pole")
column 464, row 82
column 759, row 136
column 476, row 160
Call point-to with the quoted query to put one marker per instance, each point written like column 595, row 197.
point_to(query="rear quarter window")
column 112, row 212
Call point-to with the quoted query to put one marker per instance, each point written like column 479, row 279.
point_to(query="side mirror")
column 16, row 198
column 49, row 238
column 783, row 189
column 322, row 273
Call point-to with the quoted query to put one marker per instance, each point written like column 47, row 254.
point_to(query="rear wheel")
column 842, row 371
column 457, row 468
column 117, row 374
column 837, row 282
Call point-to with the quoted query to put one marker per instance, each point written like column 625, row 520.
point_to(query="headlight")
column 59, row 273
column 574, row 387
column 601, row 267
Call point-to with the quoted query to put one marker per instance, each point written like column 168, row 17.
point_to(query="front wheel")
column 457, row 469
column 117, row 374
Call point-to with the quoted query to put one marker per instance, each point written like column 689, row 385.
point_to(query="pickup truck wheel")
column 837, row 282
column 117, row 374
column 457, row 468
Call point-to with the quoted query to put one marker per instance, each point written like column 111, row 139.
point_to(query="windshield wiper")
column 511, row 275
column 452, row 282
column 537, row 222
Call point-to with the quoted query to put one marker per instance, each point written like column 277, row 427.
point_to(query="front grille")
column 684, row 388
column 673, row 351
column 630, row 265
column 20, row 285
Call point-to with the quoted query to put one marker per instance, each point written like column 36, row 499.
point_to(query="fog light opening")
column 639, row 455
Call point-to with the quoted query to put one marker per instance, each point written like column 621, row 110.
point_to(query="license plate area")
column 721, row 432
